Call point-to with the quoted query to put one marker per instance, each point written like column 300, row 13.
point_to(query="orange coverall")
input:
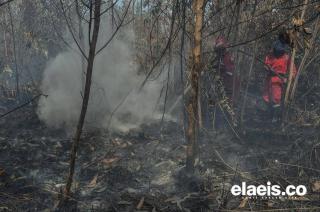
column 274, row 85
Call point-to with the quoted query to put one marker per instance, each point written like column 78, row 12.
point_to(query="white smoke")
column 114, row 77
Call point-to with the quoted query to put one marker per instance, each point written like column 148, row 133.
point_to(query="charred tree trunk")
column 192, row 105
column 85, row 101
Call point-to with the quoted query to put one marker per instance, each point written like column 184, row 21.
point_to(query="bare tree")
column 293, row 55
column 192, row 105
column 93, row 32
column 91, row 57
column 305, row 56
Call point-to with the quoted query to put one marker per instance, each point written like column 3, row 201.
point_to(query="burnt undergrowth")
column 143, row 169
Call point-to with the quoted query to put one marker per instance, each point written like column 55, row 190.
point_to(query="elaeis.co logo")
column 268, row 191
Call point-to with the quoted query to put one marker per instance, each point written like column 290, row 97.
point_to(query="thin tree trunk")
column 14, row 54
column 306, row 55
column 112, row 15
column 81, row 44
column 182, row 62
column 243, row 108
column 141, row 5
column 192, row 107
column 292, row 58
column 85, row 101
column 199, row 106
column 293, row 54
column 133, row 12
column 5, row 39
column 238, row 60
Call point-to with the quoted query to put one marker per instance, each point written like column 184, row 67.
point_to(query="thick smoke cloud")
column 114, row 76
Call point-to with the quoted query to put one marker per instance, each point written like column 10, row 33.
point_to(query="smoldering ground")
column 115, row 89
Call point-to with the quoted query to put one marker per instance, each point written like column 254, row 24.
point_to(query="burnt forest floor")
column 142, row 170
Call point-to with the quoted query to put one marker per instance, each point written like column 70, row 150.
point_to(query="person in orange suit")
column 226, row 67
column 277, row 64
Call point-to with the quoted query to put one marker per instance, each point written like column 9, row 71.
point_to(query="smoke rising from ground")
column 114, row 77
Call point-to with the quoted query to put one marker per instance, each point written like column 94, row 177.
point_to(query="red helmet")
column 220, row 42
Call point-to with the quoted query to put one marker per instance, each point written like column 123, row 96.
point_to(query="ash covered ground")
column 142, row 169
